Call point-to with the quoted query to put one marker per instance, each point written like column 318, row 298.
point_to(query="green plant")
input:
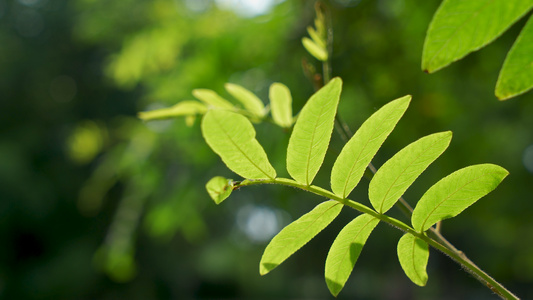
column 461, row 27
column 228, row 130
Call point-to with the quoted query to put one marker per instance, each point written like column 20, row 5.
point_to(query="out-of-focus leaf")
column 454, row 193
column 311, row 134
column 251, row 102
column 232, row 137
column 295, row 235
column 460, row 27
column 316, row 37
column 516, row 75
column 316, row 50
column 413, row 254
column 212, row 99
column 345, row 251
column 219, row 188
column 398, row 173
column 281, row 104
column 184, row 108
column 361, row 148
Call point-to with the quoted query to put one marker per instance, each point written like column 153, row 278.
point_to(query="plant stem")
column 434, row 238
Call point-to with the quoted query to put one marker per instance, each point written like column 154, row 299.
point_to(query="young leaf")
column 460, row 27
column 183, row 108
column 281, row 104
column 361, row 148
column 211, row 98
column 232, row 137
column 316, row 37
column 454, row 193
column 398, row 173
column 413, row 254
column 311, row 134
column 314, row 49
column 516, row 75
column 345, row 251
column 219, row 188
column 297, row 234
column 250, row 101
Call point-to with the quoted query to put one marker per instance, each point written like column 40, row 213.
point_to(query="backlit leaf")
column 516, row 75
column 398, row 173
column 281, row 104
column 183, row 108
column 361, row 148
column 212, row 99
column 345, row 251
column 311, row 134
column 219, row 188
column 316, row 50
column 413, row 254
column 251, row 102
column 232, row 137
column 460, row 27
column 454, row 193
column 297, row 234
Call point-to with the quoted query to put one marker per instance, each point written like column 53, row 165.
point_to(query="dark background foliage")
column 96, row 204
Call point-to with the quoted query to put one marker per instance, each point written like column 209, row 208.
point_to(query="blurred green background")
column 96, row 204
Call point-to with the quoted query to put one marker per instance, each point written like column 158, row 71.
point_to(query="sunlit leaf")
column 361, row 148
column 316, row 50
column 297, row 234
column 516, row 75
column 311, row 134
column 184, row 108
column 413, row 254
column 316, row 37
column 212, row 99
column 281, row 104
column 345, row 251
column 460, row 27
column 219, row 188
column 454, row 193
column 398, row 173
column 251, row 102
column 232, row 137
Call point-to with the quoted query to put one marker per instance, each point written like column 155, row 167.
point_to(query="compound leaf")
column 413, row 254
column 281, row 104
column 398, row 173
column 316, row 50
column 183, row 108
column 454, row 193
column 297, row 234
column 251, row 102
column 460, row 27
column 232, row 137
column 345, row 251
column 311, row 134
column 212, row 99
column 361, row 148
column 516, row 75
column 219, row 188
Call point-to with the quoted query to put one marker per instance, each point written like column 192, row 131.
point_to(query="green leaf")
column 212, row 99
column 219, row 188
column 398, row 173
column 460, row 27
column 251, row 102
column 316, row 37
column 454, row 193
column 516, row 75
column 413, row 254
column 311, row 134
column 361, row 148
column 314, row 49
column 297, row 234
column 232, row 137
column 345, row 251
column 184, row 108
column 281, row 104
